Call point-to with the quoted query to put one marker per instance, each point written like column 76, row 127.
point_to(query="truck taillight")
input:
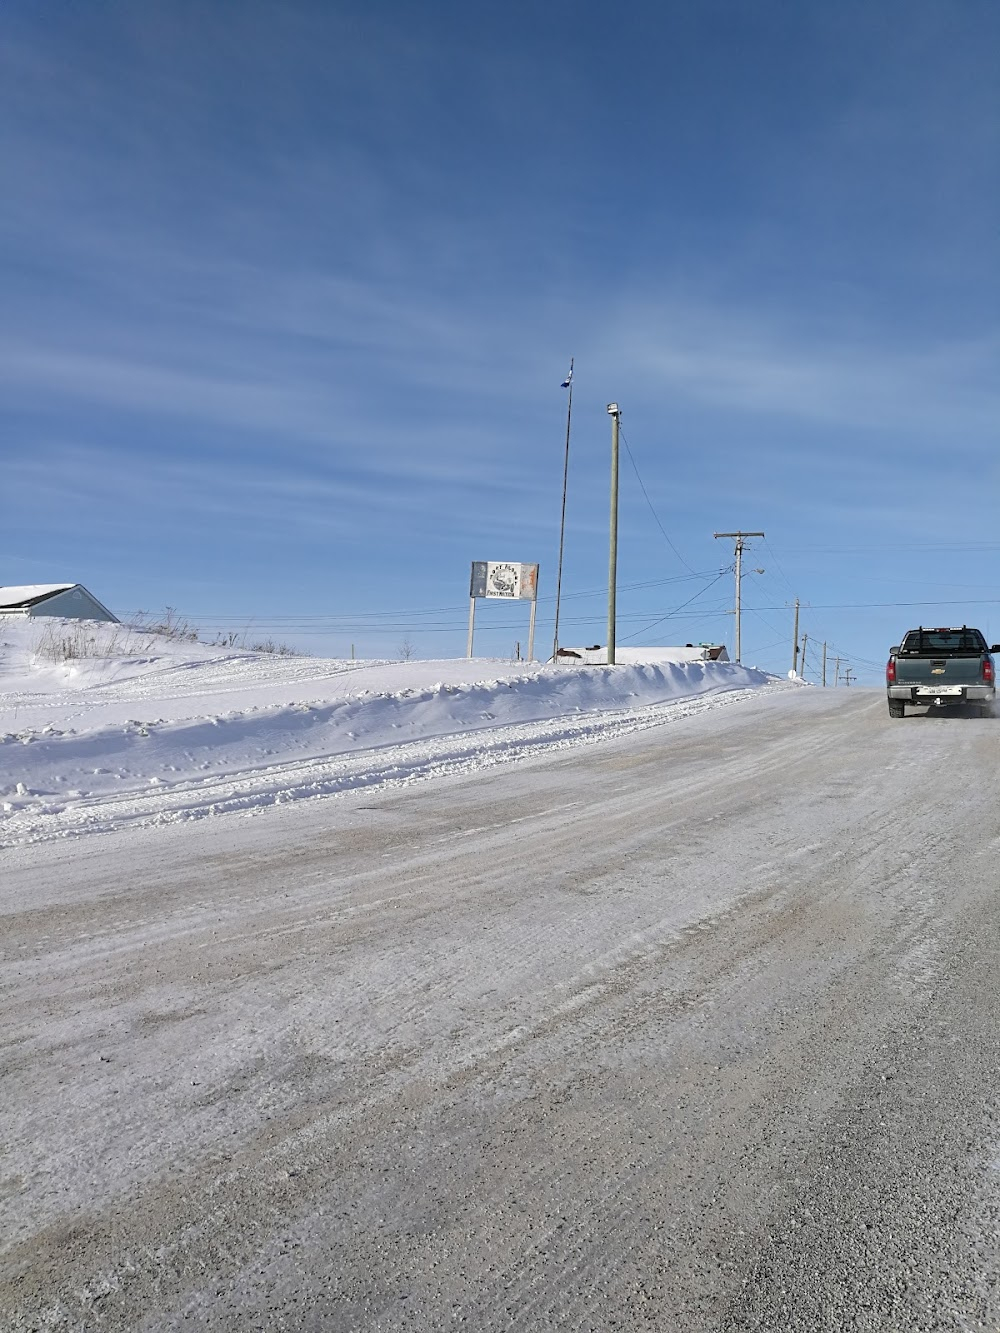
column 988, row 670
column 890, row 671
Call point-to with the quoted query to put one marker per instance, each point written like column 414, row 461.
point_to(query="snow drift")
column 181, row 730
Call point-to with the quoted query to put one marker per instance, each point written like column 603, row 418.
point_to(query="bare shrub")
column 62, row 642
column 279, row 649
column 167, row 622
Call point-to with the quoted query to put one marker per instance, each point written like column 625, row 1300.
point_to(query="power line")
column 260, row 625
column 650, row 503
column 673, row 613
column 856, row 657
column 277, row 618
column 773, row 559
column 869, row 606
column 894, row 546
column 773, row 628
column 346, row 621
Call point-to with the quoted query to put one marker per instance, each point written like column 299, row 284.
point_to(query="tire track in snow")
column 378, row 769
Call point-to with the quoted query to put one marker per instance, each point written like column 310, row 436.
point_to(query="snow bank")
column 179, row 730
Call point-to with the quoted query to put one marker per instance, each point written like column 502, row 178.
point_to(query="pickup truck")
column 941, row 666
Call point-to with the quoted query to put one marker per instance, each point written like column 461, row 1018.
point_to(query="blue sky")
column 288, row 290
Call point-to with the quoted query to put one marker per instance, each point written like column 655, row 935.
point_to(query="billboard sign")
column 504, row 579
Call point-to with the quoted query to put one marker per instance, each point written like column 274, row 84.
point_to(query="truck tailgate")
column 939, row 671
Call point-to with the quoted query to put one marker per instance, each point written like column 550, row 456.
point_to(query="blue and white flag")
column 568, row 380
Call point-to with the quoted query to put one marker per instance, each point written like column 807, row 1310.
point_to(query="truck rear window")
column 943, row 643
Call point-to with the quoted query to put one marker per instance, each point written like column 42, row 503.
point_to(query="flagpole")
column 562, row 522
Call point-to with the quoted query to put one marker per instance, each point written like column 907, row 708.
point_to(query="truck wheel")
column 896, row 707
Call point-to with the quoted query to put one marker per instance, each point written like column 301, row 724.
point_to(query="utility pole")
column 836, row 672
column 805, row 640
column 567, row 384
column 847, row 675
column 614, row 413
column 740, row 543
column 824, row 664
column 795, row 641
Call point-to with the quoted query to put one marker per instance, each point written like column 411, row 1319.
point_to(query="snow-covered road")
column 695, row 1029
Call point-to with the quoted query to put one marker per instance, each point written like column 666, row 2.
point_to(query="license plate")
column 950, row 690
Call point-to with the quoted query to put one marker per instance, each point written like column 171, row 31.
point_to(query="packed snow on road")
column 651, row 1011
column 161, row 730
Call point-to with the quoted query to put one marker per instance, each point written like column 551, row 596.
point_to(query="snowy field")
column 162, row 730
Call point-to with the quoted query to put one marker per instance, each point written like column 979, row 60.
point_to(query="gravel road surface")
column 697, row 1029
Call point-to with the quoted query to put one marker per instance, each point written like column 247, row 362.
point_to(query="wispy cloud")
column 160, row 390
column 847, row 376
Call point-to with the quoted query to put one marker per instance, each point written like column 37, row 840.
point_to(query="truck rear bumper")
column 945, row 694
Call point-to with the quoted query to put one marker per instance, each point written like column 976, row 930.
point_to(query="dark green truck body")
column 935, row 667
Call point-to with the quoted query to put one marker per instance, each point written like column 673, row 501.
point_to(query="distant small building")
column 71, row 601
column 688, row 652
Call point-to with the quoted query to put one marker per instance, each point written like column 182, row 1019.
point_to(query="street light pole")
column 795, row 641
column 614, row 413
column 567, row 384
